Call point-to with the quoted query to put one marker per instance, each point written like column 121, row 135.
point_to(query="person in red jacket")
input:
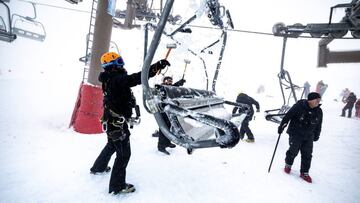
column 357, row 108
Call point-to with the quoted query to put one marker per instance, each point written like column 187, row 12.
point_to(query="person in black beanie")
column 163, row 141
column 305, row 120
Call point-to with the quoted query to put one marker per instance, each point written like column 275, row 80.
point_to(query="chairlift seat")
column 198, row 117
column 278, row 116
column 28, row 34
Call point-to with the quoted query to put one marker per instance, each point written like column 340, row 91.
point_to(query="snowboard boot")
column 250, row 140
column 163, row 150
column 128, row 188
column 155, row 134
column 107, row 169
column 306, row 177
column 287, row 168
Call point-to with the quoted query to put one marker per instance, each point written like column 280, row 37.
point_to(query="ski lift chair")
column 28, row 27
column 276, row 115
column 198, row 117
column 285, row 85
column 6, row 35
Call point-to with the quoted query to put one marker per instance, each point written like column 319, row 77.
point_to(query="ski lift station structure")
column 183, row 106
column 180, row 108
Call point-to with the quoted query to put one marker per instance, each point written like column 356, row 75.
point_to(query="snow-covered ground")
column 42, row 160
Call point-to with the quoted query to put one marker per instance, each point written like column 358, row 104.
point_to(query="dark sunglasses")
column 117, row 62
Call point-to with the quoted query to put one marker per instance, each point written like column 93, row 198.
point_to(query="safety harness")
column 113, row 122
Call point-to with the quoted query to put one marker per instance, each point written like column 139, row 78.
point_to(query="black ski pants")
column 118, row 173
column 245, row 129
column 163, row 141
column 297, row 143
column 349, row 108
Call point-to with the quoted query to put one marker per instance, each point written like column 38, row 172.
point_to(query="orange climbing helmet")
column 111, row 58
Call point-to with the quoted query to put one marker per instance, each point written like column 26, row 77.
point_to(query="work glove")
column 156, row 67
column 163, row 63
column 180, row 82
column 281, row 128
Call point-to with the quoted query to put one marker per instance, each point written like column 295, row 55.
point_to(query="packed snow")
column 43, row 160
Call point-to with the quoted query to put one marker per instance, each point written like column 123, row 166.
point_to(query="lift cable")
column 54, row 6
column 195, row 26
column 260, row 33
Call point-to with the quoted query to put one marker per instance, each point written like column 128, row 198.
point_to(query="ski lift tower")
column 88, row 108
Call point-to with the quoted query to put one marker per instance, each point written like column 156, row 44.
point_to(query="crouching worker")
column 245, row 129
column 305, row 119
column 163, row 141
column 118, row 104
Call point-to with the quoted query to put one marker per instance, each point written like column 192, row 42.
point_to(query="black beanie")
column 313, row 95
column 167, row 78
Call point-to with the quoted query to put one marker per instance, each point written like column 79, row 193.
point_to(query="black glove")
column 180, row 83
column 156, row 67
column 163, row 63
column 316, row 138
column 281, row 128
column 257, row 110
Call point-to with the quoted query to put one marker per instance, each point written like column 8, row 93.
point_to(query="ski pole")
column 277, row 142
column 186, row 63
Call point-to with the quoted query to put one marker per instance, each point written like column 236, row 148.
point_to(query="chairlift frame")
column 215, row 15
column 285, row 82
column 38, row 36
column 350, row 22
column 6, row 35
column 180, row 103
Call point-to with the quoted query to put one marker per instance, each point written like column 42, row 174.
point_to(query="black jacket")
column 245, row 99
column 117, row 93
column 350, row 100
column 116, row 84
column 304, row 121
